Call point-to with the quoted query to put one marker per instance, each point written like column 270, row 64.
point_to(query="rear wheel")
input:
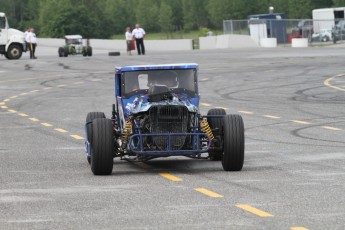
column 14, row 52
column 89, row 51
column 61, row 51
column 216, row 125
column 66, row 51
column 89, row 118
column 102, row 147
column 233, row 143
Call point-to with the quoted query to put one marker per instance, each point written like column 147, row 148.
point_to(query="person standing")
column 129, row 36
column 26, row 44
column 32, row 42
column 139, row 34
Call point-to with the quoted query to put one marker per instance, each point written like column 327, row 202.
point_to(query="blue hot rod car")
column 156, row 114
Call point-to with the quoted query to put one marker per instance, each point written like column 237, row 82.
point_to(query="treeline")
column 104, row 18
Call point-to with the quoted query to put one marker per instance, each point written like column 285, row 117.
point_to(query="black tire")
column 14, row 52
column 65, row 51
column 114, row 53
column 90, row 117
column 233, row 157
column 89, row 51
column 102, row 147
column 216, row 123
column 61, row 52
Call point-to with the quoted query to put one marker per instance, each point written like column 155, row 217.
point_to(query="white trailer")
column 326, row 18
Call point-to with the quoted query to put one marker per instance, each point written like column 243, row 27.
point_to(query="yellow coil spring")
column 127, row 131
column 205, row 127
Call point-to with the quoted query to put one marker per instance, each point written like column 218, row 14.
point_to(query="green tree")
column 300, row 8
column 103, row 18
column 220, row 10
column 177, row 13
column 166, row 19
column 195, row 14
column 147, row 15
column 338, row 3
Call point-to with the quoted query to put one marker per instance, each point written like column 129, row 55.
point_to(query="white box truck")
column 326, row 18
column 12, row 43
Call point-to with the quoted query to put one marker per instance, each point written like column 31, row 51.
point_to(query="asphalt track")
column 292, row 102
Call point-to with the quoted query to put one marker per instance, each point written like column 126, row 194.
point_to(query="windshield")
column 75, row 41
column 177, row 81
column 2, row 22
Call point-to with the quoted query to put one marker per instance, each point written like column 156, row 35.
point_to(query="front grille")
column 168, row 119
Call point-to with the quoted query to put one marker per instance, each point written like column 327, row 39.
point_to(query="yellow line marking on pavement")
column 33, row 119
column 208, row 193
column 222, row 108
column 12, row 111
column 272, row 117
column 205, row 104
column 245, row 112
column 23, row 114
column 253, row 210
column 78, row 83
column 2, row 103
column 298, row 228
column 7, row 100
column 4, row 107
column 13, row 97
column 204, row 79
column 77, row 137
column 331, row 128
column 46, row 124
column 34, row 91
column 170, row 177
column 61, row 85
column 47, row 88
column 22, row 94
column 61, row 130
column 327, row 82
column 301, row 122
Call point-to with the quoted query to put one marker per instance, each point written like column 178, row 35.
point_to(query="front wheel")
column 14, row 52
column 102, row 147
column 216, row 124
column 61, row 51
column 233, row 157
column 89, row 118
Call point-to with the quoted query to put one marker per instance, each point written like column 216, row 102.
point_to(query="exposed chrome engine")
column 166, row 119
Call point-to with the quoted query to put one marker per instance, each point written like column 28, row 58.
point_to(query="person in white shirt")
column 129, row 36
column 32, row 42
column 26, row 44
column 139, row 34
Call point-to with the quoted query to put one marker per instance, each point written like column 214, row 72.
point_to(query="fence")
column 317, row 31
